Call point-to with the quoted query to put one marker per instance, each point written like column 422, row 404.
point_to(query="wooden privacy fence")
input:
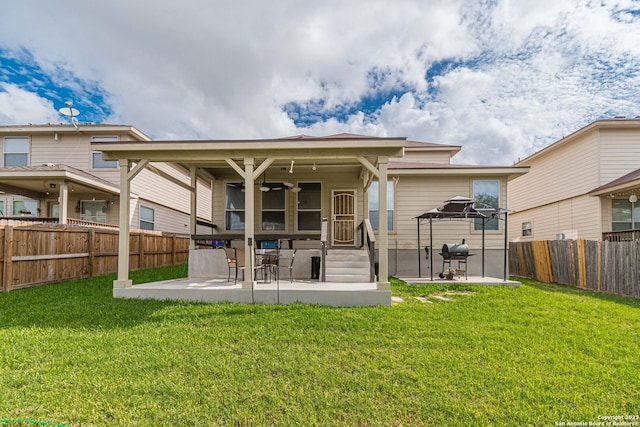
column 37, row 254
column 604, row 266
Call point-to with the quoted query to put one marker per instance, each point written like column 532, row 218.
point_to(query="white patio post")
column 64, row 203
column 383, row 229
column 193, row 211
column 123, row 237
column 249, row 232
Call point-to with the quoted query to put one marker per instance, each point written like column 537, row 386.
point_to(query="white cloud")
column 20, row 106
column 523, row 73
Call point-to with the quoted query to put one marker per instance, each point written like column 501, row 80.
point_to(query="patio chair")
column 235, row 260
column 287, row 262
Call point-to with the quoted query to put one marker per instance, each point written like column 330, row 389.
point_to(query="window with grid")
column 15, row 151
column 273, row 210
column 309, row 206
column 486, row 194
column 147, row 218
column 624, row 215
column 234, row 206
column 93, row 210
column 96, row 156
column 374, row 205
column 25, row 208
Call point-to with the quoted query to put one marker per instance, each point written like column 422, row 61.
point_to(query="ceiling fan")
column 269, row 186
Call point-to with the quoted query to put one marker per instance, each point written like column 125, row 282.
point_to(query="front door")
column 343, row 217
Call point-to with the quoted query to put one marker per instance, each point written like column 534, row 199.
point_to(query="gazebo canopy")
column 460, row 207
column 456, row 207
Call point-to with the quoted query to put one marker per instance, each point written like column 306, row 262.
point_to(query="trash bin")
column 315, row 267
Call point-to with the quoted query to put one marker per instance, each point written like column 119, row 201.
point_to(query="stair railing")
column 368, row 239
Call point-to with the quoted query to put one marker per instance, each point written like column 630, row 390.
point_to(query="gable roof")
column 614, row 123
column 65, row 128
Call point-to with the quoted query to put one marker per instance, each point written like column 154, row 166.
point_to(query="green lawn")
column 537, row 355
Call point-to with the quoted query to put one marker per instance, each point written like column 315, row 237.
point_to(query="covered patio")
column 324, row 182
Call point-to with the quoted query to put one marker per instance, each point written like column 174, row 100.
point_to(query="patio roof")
column 30, row 181
column 456, row 207
column 625, row 182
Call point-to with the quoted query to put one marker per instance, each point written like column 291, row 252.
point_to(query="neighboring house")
column 50, row 173
column 274, row 189
column 585, row 185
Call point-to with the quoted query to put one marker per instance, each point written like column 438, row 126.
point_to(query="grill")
column 454, row 252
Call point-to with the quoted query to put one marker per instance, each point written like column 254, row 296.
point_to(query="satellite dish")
column 70, row 112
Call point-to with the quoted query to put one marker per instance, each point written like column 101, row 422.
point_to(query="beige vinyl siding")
column 168, row 194
column 569, row 171
column 418, row 194
column 427, row 157
column 619, row 153
column 166, row 220
column 576, row 218
column 70, row 149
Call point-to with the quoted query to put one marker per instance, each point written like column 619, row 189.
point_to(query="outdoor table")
column 267, row 261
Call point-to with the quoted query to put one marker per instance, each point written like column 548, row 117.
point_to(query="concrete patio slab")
column 283, row 292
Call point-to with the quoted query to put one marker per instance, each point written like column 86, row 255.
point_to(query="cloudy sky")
column 502, row 78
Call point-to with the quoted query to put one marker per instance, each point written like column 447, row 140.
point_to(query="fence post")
column 141, row 241
column 92, row 251
column 8, row 255
column 174, row 250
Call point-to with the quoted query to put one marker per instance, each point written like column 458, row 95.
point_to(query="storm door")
column 343, row 217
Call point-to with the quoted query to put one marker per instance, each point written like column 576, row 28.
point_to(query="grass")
column 537, row 355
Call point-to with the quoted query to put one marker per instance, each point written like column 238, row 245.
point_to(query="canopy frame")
column 461, row 208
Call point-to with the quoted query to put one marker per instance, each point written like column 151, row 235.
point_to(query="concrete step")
column 347, row 279
column 347, row 265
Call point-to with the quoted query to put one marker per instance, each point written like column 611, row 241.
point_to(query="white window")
column 624, row 215
column 527, row 229
column 309, row 206
column 2, row 208
column 234, row 206
column 93, row 210
column 374, row 205
column 96, row 156
column 486, row 194
column 98, row 163
column 273, row 210
column 16, row 151
column 147, row 218
column 25, row 208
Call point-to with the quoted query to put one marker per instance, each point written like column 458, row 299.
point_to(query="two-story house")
column 583, row 186
column 50, row 172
